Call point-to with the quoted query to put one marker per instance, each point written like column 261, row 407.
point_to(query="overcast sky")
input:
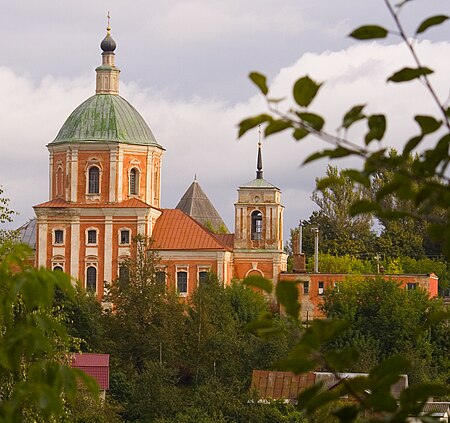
column 184, row 67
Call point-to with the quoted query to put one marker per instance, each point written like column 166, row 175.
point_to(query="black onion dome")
column 108, row 44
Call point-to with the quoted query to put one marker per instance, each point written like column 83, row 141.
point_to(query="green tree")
column 147, row 320
column 342, row 264
column 340, row 232
column 36, row 381
column 379, row 310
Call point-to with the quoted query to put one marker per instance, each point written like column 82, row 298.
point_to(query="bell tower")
column 258, row 238
column 259, row 213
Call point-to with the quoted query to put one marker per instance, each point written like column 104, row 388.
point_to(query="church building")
column 105, row 188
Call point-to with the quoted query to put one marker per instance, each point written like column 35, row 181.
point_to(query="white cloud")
column 200, row 133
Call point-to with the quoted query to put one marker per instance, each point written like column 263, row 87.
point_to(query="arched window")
column 134, row 181
column 59, row 182
column 58, row 269
column 94, row 180
column 91, row 279
column 257, row 225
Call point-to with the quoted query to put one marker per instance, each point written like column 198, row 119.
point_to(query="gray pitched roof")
column 27, row 233
column 196, row 204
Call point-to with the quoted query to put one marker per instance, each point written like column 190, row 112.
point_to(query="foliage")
column 82, row 318
column 147, row 318
column 6, row 215
column 321, row 346
column 341, row 264
column 422, row 181
column 36, row 381
column 339, row 231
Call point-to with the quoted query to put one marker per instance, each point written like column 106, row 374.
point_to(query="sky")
column 184, row 66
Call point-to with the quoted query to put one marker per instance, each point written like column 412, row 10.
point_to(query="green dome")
column 106, row 117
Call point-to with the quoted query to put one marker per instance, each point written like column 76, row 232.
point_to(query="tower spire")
column 259, row 171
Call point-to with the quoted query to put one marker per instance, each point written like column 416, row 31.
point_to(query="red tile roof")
column 175, row 230
column 94, row 365
column 130, row 203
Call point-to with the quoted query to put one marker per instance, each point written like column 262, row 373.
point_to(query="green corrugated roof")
column 258, row 183
column 106, row 117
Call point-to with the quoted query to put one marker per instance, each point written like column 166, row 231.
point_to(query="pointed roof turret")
column 107, row 73
column 259, row 181
column 196, row 204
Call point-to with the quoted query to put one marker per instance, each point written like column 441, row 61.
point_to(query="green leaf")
column 305, row 89
column 260, row 81
column 315, row 121
column 431, row 21
column 411, row 145
column 389, row 370
column 363, row 206
column 428, row 124
column 287, row 296
column 250, row 123
column 259, row 282
column 300, row 133
column 369, row 32
column 298, row 363
column 276, row 126
column 337, row 153
column 377, row 128
column 353, row 115
column 408, row 74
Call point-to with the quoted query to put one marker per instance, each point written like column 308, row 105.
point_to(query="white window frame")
column 120, row 237
column 91, row 263
column 90, row 244
column 59, row 244
column 137, row 181
column 59, row 181
column 182, row 269
column 201, row 269
column 90, row 164
column 58, row 261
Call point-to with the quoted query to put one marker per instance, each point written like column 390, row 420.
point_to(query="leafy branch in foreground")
column 423, row 181
column 36, row 382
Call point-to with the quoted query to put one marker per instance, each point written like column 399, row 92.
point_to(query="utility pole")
column 316, row 250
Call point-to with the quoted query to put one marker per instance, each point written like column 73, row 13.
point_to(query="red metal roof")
column 130, row 203
column 94, row 365
column 175, row 230
column 226, row 239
